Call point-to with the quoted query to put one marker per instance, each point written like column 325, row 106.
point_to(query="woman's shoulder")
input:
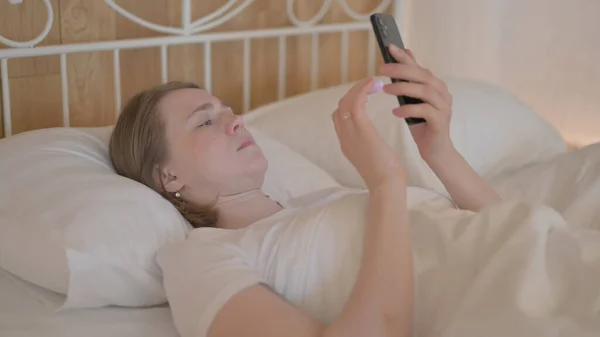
column 200, row 274
column 333, row 202
column 203, row 271
column 246, row 242
column 294, row 208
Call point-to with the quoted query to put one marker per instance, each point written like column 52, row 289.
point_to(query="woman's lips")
column 246, row 143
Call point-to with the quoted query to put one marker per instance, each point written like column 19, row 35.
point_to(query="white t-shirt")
column 309, row 253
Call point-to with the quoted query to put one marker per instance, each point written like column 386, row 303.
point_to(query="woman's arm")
column 467, row 188
column 380, row 303
column 382, row 300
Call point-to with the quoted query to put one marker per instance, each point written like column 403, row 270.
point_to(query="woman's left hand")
column 433, row 137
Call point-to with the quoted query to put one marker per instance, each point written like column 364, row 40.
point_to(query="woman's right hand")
column 360, row 141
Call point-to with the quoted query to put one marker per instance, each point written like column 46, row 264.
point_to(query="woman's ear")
column 169, row 181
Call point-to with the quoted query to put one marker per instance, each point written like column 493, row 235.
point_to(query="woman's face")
column 209, row 149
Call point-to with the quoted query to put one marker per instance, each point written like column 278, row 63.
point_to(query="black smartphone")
column 387, row 32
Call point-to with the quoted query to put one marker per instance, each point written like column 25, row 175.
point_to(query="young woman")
column 337, row 265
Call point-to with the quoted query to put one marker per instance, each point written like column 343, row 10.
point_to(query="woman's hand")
column 360, row 141
column 467, row 188
column 433, row 137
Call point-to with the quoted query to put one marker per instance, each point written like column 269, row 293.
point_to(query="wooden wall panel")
column 298, row 65
column 140, row 68
column 28, row 75
column 300, row 50
column 37, row 105
column 90, row 79
column 357, row 57
column 264, row 72
column 186, row 63
column 1, row 119
column 35, row 82
column 329, row 60
column 1, row 114
column 25, row 22
column 227, row 79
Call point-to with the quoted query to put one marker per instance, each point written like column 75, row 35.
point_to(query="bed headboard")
column 74, row 63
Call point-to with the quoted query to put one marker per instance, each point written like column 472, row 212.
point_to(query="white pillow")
column 289, row 175
column 70, row 224
column 492, row 129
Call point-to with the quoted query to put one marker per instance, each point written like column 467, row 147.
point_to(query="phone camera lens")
column 380, row 21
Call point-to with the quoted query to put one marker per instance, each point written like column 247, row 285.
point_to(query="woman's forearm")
column 467, row 188
column 381, row 302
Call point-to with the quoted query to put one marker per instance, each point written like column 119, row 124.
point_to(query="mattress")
column 30, row 311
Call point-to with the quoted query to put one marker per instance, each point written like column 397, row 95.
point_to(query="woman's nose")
column 236, row 123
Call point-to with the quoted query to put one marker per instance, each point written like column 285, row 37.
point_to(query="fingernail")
column 376, row 87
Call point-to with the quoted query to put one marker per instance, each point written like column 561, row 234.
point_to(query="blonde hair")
column 138, row 148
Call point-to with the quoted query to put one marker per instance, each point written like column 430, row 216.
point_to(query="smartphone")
column 387, row 32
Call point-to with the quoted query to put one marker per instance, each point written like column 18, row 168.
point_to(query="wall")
column 546, row 52
column 35, row 82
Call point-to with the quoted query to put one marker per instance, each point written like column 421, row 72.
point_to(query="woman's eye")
column 207, row 123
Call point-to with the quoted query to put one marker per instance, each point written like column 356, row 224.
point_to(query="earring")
column 177, row 195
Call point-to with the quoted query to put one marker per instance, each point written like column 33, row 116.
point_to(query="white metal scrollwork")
column 186, row 33
column 318, row 17
column 40, row 37
column 325, row 8
column 214, row 19
column 230, row 9
column 383, row 5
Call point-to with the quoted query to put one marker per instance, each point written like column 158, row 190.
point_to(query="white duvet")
column 515, row 269
column 528, row 266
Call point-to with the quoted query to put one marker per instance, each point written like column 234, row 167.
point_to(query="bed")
column 62, row 246
column 29, row 310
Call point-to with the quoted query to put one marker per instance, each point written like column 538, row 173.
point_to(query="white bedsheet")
column 28, row 311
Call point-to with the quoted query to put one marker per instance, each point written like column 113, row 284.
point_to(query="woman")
column 340, row 265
